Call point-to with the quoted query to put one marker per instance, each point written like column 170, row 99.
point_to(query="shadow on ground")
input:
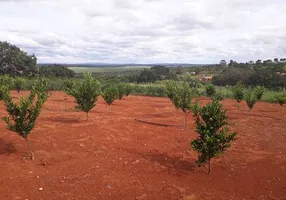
column 172, row 163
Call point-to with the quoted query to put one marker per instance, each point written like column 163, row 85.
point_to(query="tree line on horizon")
column 269, row 73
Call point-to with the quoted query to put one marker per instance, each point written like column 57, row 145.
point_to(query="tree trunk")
column 209, row 166
column 238, row 108
column 280, row 112
column 109, row 108
column 186, row 118
column 87, row 116
column 250, row 113
column 30, row 150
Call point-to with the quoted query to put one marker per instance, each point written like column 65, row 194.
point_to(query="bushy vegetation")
column 281, row 99
column 155, row 73
column 56, row 70
column 110, row 94
column 128, row 90
column 19, row 84
column 156, row 90
column 268, row 75
column 15, row 62
column 85, row 92
column 238, row 93
column 181, row 96
column 214, row 137
column 210, row 91
column 251, row 99
column 5, row 82
column 22, row 116
column 259, row 91
column 121, row 91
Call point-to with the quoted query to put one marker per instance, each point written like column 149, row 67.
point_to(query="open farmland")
column 112, row 156
column 107, row 69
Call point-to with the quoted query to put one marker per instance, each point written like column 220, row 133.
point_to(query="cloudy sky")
column 145, row 31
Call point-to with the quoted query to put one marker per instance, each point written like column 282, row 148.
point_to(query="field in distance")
column 98, row 69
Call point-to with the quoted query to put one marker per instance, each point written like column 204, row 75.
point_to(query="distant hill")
column 122, row 65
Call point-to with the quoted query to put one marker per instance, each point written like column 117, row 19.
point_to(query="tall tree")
column 251, row 62
column 223, row 63
column 14, row 61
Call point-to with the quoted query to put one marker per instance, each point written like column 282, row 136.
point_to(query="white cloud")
column 145, row 31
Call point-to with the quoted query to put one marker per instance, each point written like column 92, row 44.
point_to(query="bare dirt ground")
column 112, row 156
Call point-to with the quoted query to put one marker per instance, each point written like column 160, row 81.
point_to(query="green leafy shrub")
column 22, row 116
column 210, row 91
column 214, row 137
column 67, row 84
column 128, row 90
column 281, row 99
column 85, row 92
column 259, row 91
column 155, row 91
column 5, row 82
column 251, row 99
column 110, row 94
column 171, row 89
column 19, row 84
column 121, row 90
column 238, row 93
column 218, row 97
column 183, row 98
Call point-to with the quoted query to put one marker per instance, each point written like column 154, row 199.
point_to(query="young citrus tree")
column 67, row 84
column 259, row 91
column 22, row 116
column 183, row 98
column 171, row 89
column 121, row 90
column 128, row 90
column 238, row 93
column 110, row 94
column 85, row 92
column 210, row 91
column 19, row 84
column 251, row 99
column 281, row 99
column 217, row 96
column 214, row 137
column 5, row 82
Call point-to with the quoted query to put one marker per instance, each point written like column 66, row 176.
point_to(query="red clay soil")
column 113, row 156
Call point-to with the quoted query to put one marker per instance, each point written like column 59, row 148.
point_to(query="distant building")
column 206, row 79
column 281, row 73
